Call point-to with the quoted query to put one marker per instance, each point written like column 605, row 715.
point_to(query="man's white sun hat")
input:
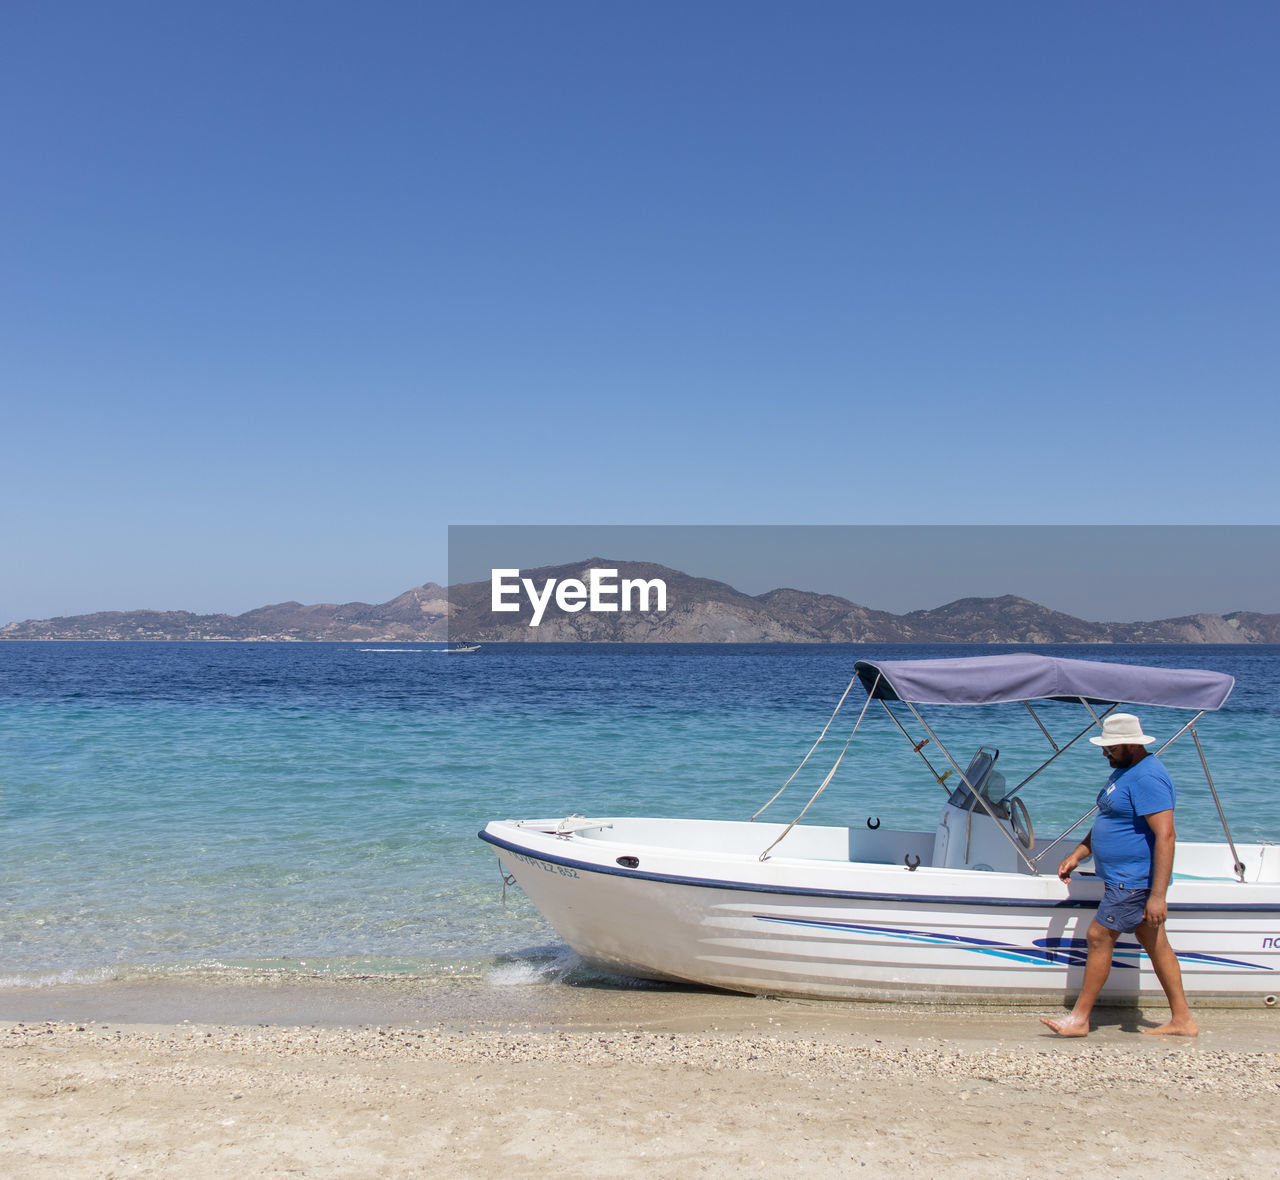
column 1122, row 729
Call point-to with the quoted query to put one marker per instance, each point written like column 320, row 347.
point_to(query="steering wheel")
column 1021, row 820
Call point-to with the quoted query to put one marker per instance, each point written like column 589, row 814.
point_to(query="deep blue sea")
column 315, row 806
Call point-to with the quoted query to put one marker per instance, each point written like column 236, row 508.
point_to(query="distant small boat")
column 461, row 649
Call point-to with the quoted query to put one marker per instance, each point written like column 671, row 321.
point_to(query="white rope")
column 830, row 774
column 805, row 759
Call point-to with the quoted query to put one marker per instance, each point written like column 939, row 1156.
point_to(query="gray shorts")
column 1123, row 909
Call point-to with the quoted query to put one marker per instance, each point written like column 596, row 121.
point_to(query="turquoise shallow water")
column 261, row 805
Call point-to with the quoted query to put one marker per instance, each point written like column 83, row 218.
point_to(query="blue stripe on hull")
column 1072, row 952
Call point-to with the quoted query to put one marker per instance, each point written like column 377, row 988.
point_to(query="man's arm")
column 1082, row 852
column 1161, row 823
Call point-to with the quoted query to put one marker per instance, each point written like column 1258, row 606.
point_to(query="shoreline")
column 291, row 998
column 373, row 1077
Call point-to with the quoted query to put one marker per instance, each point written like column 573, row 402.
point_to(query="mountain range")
column 699, row 610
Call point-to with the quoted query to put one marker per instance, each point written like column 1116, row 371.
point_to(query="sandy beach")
column 294, row 1078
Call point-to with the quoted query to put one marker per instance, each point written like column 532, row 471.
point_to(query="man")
column 1132, row 848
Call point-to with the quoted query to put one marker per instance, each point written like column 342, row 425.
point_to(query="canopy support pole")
column 1059, row 751
column 918, row 747
column 1097, row 720
column 1048, row 736
column 1235, row 856
column 1190, row 725
column 1048, row 848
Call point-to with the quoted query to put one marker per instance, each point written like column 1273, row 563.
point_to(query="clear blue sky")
column 287, row 288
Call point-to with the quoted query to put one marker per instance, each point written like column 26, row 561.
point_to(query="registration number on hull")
column 545, row 866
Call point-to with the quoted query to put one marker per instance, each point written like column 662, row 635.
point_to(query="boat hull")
column 823, row 927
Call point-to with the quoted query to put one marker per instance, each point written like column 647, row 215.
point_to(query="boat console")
column 969, row 834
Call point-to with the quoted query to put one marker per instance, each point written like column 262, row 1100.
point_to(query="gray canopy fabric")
column 1024, row 676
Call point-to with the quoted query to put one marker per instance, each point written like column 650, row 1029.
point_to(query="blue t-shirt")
column 1122, row 839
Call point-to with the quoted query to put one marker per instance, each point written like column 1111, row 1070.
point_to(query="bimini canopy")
column 1024, row 676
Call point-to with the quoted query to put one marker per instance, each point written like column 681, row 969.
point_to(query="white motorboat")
column 970, row 911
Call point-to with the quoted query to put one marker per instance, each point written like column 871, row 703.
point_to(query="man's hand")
column 1082, row 852
column 1157, row 910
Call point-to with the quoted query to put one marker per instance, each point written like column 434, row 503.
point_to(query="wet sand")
column 223, row 1077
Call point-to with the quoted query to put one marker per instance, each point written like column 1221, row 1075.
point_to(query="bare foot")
column 1069, row 1026
column 1186, row 1027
